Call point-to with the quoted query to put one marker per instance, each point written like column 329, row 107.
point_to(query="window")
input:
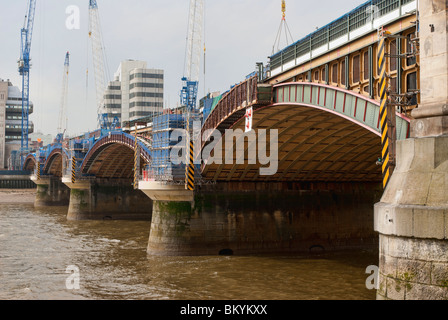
column 358, row 18
column 367, row 89
column 316, row 75
column 146, row 76
column 112, row 96
column 334, row 73
column 411, row 81
column 146, row 94
column 343, row 73
column 140, row 114
column 338, row 28
column 411, row 60
column 411, row 84
column 113, row 106
column 356, row 69
column 393, row 85
column 393, row 51
column 319, row 38
column 366, row 65
column 146, row 85
column 146, row 104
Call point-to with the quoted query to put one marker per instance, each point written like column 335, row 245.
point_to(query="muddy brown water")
column 41, row 253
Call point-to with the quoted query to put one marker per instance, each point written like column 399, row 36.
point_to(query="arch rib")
column 113, row 138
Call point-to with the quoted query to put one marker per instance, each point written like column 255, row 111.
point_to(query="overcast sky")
column 238, row 33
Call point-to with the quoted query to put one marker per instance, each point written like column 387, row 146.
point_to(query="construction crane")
column 190, row 81
column 98, row 61
column 62, row 124
column 283, row 25
column 24, row 71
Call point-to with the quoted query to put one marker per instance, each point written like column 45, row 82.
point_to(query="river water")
column 43, row 256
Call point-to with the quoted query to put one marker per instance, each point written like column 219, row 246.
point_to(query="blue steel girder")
column 107, row 149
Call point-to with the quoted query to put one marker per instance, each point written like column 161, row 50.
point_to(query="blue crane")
column 24, row 70
column 190, row 80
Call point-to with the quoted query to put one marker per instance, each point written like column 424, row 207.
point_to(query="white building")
column 112, row 101
column 140, row 93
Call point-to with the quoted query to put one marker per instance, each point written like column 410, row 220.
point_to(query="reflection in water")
column 37, row 245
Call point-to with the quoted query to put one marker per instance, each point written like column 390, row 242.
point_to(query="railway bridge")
column 338, row 142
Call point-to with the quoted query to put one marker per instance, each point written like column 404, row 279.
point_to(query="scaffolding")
column 74, row 152
column 169, row 139
column 161, row 167
column 403, row 102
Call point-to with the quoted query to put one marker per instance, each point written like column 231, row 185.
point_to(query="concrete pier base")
column 229, row 219
column 51, row 192
column 412, row 219
column 158, row 191
column 102, row 200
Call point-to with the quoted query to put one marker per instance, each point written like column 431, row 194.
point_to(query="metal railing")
column 361, row 16
column 241, row 95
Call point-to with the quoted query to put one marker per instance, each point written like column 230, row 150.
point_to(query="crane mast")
column 24, row 71
column 62, row 126
column 98, row 58
column 193, row 55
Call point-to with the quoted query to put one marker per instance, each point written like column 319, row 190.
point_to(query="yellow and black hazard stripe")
column 189, row 175
column 383, row 112
column 73, row 170
column 38, row 170
column 136, row 169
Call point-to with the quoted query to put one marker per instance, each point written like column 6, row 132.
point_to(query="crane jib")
column 26, row 34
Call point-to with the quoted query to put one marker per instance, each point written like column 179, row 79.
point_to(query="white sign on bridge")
column 249, row 116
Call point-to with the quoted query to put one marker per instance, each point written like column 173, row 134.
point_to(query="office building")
column 137, row 89
column 11, row 123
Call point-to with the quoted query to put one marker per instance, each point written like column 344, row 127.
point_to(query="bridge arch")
column 30, row 162
column 112, row 156
column 324, row 134
column 54, row 162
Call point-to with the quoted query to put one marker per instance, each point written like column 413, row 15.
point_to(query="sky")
column 237, row 35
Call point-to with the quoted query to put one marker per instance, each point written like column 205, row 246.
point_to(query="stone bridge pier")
column 50, row 191
column 412, row 217
column 248, row 218
column 103, row 199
